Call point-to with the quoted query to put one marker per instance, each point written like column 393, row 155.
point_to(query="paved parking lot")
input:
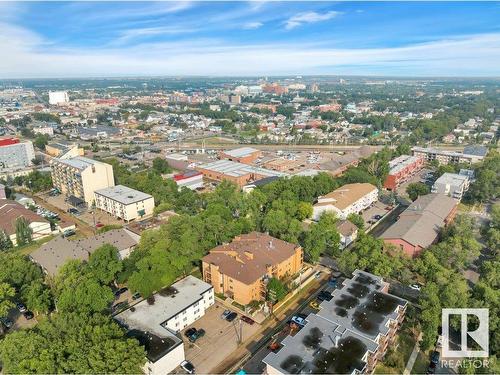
column 220, row 340
column 378, row 208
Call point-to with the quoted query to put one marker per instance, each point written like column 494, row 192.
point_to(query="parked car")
column 6, row 322
column 314, row 305
column 197, row 335
column 120, row 306
column 120, row 291
column 299, row 320
column 274, row 346
column 187, row 366
column 189, row 332
column 377, row 217
column 28, row 315
column 225, row 314
column 248, row 320
column 431, row 369
column 231, row 316
column 317, row 274
column 415, row 287
column 21, row 307
column 69, row 232
column 324, row 296
column 136, row 296
column 73, row 211
column 435, row 357
column 99, row 225
column 332, row 282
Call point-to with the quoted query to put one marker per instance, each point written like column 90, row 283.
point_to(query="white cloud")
column 309, row 17
column 25, row 54
column 128, row 35
column 252, row 25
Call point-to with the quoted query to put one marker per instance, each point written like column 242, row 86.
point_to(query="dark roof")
column 264, row 181
column 75, row 201
column 156, row 347
column 476, row 150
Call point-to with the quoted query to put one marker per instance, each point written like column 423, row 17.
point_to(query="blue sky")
column 84, row 39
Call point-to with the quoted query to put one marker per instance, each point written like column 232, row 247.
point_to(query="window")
column 185, row 319
column 196, row 311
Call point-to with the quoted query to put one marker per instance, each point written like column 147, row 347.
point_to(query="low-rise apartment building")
column 419, row 225
column 124, row 203
column 350, row 333
column 80, row 177
column 448, row 157
column 451, row 184
column 350, row 198
column 348, row 233
column 239, row 173
column 10, row 211
column 402, row 169
column 245, row 155
column 240, row 270
column 63, row 150
column 156, row 325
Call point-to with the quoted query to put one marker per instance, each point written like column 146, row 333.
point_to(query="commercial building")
column 402, row 169
column 156, row 325
column 15, row 154
column 190, row 179
column 51, row 256
column 449, row 157
column 451, row 184
column 124, row 203
column 10, row 211
column 282, row 165
column 245, row 155
column 419, row 225
column 80, row 177
column 240, row 270
column 58, row 97
column 348, row 335
column 177, row 161
column 348, row 199
column 239, row 173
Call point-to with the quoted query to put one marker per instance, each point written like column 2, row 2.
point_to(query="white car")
column 188, row 367
column 298, row 320
column 415, row 287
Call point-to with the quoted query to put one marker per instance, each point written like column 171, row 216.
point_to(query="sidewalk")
column 413, row 356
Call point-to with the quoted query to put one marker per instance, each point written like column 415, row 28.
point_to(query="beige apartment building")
column 240, row 270
column 124, row 203
column 80, row 177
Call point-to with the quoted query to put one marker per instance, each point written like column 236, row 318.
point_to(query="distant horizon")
column 50, row 40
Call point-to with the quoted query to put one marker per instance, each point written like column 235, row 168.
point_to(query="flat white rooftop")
column 241, row 152
column 123, row 194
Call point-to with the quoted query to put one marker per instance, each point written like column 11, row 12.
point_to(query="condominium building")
column 15, row 154
column 156, row 325
column 80, row 177
column 420, row 224
column 348, row 199
column 350, row 333
column 240, row 270
column 58, row 97
column 402, row 169
column 469, row 156
column 124, row 203
column 451, row 184
column 63, row 150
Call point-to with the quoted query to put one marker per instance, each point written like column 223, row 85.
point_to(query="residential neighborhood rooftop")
column 123, row 194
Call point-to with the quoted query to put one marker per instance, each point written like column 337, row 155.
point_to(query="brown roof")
column 346, row 228
column 11, row 210
column 247, row 256
column 52, row 255
column 346, row 195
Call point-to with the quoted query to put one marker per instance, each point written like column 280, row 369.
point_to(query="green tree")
column 5, row 241
column 276, row 290
column 322, row 238
column 86, row 296
column 24, row 234
column 37, row 296
column 416, row 189
column 356, row 220
column 7, row 293
column 160, row 165
column 304, row 210
column 72, row 343
column 104, row 263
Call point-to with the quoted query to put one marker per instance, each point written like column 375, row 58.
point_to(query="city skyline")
column 88, row 39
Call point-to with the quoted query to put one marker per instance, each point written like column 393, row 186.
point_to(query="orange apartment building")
column 240, row 269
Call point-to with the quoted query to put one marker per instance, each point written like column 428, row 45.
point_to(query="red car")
column 99, row 225
column 248, row 320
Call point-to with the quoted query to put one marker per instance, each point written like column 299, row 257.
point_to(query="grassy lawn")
column 421, row 364
column 28, row 249
column 196, row 272
column 383, row 369
column 405, row 344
